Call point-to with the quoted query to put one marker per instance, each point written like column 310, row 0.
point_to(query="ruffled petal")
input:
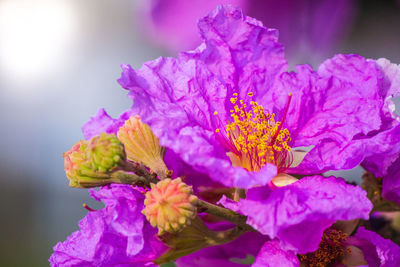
column 116, row 235
column 385, row 143
column 378, row 252
column 272, row 255
column 177, row 97
column 103, row 123
column 298, row 214
column 333, row 110
column 391, row 183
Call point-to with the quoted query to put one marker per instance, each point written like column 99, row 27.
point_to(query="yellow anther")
column 217, row 130
column 215, row 113
column 255, row 135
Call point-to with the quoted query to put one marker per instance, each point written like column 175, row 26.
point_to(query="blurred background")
column 59, row 61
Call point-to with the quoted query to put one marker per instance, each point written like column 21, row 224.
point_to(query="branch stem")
column 223, row 213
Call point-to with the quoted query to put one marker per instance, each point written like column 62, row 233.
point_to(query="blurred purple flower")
column 309, row 30
column 117, row 235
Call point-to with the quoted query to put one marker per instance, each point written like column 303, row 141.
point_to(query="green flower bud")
column 90, row 163
column 105, row 152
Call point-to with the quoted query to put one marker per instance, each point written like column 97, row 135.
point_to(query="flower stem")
column 140, row 170
column 224, row 213
column 122, row 177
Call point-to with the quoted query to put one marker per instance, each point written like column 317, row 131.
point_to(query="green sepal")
column 192, row 238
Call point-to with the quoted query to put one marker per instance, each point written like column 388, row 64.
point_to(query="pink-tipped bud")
column 89, row 163
column 73, row 158
column 169, row 205
column 142, row 145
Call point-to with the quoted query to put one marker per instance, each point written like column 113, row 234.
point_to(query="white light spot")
column 34, row 35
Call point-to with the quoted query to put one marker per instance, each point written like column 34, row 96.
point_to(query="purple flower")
column 297, row 214
column 377, row 250
column 116, row 235
column 339, row 249
column 336, row 109
column 309, row 30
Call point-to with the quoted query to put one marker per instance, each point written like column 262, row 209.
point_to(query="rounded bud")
column 142, row 145
column 105, row 152
column 169, row 205
column 89, row 163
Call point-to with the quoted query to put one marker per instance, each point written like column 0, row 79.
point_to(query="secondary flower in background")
column 309, row 30
column 337, row 247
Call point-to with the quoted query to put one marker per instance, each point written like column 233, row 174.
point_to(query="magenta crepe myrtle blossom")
column 296, row 215
column 117, row 235
column 364, row 247
column 309, row 30
column 336, row 109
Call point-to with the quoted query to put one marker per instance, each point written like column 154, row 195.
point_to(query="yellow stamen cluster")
column 330, row 250
column 255, row 136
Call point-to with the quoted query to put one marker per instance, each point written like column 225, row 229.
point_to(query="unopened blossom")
column 89, row 163
column 169, row 205
column 142, row 145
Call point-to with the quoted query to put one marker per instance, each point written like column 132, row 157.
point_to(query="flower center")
column 254, row 138
column 329, row 251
